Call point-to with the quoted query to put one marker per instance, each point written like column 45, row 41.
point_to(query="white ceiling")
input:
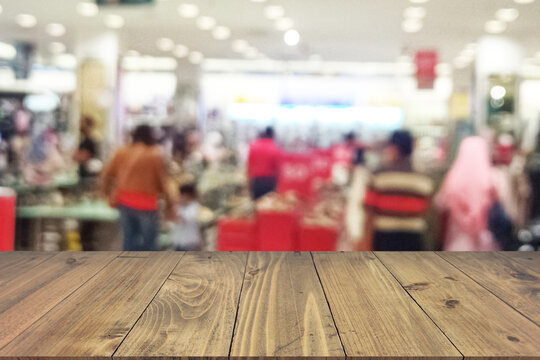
column 338, row 30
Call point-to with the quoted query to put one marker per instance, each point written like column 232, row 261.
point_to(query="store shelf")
column 270, row 305
column 96, row 211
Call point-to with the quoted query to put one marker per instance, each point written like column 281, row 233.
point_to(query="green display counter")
column 91, row 211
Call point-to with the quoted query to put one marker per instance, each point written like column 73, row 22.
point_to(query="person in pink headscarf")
column 466, row 195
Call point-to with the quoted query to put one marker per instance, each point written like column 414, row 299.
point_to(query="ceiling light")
column 497, row 92
column 7, row 51
column 284, row 24
column 87, row 8
column 114, row 21
column 274, row 12
column 495, row 27
column 507, row 15
column 468, row 52
column 206, row 22
column 188, row 11
column 57, row 47
column 240, row 45
column 55, row 29
column 419, row 1
column 196, row 57
column 412, row 25
column 251, row 53
column 221, row 33
column 1, row 9
column 165, row 44
column 291, row 37
column 524, row 1
column 415, row 12
column 66, row 61
column 444, row 69
column 26, row 20
column 132, row 53
column 181, row 51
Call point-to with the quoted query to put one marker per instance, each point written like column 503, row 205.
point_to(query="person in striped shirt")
column 398, row 199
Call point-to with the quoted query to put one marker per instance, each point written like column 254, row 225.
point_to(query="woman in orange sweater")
column 133, row 181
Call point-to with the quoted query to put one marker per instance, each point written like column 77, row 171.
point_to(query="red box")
column 237, row 235
column 277, row 231
column 7, row 219
column 317, row 238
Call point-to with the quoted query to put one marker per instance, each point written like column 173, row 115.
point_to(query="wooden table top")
column 167, row 305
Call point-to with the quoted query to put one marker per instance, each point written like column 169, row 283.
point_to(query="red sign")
column 426, row 62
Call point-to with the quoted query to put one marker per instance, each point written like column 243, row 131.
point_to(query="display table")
column 269, row 305
column 90, row 211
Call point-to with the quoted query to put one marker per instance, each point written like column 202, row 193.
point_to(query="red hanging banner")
column 426, row 62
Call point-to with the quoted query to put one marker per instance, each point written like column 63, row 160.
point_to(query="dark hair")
column 349, row 136
column 268, row 133
column 403, row 141
column 144, row 134
column 189, row 189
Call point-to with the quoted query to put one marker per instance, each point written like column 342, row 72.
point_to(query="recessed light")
column 181, row 51
column 221, row 33
column 165, row 44
column 7, row 51
column 188, row 11
column 55, row 29
column 524, row 1
column 87, row 8
column 206, row 22
column 66, row 61
column 26, row 20
column 412, row 25
column 274, row 12
column 240, row 45
column 114, row 21
column 291, row 37
column 497, row 92
column 1, row 9
column 415, row 12
column 507, row 15
column 284, row 24
column 444, row 69
column 495, row 27
column 196, row 57
column 57, row 47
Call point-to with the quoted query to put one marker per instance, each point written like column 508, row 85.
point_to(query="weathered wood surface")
column 269, row 305
column 515, row 284
column 477, row 322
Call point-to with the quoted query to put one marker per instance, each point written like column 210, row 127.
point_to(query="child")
column 186, row 234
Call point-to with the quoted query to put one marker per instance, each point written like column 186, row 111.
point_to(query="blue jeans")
column 140, row 228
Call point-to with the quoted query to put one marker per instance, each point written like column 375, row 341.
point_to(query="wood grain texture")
column 29, row 296
column 373, row 314
column 476, row 321
column 194, row 312
column 530, row 259
column 92, row 321
column 283, row 311
column 16, row 263
column 515, row 284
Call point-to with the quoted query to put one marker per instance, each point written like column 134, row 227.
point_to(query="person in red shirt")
column 263, row 164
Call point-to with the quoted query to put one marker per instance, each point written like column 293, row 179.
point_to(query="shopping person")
column 134, row 180
column 467, row 193
column 397, row 199
column 88, row 149
column 263, row 164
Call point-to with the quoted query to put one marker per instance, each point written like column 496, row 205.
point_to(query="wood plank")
column 530, row 259
column 32, row 294
column 513, row 283
column 476, row 321
column 15, row 263
column 283, row 311
column 375, row 317
column 93, row 321
column 194, row 313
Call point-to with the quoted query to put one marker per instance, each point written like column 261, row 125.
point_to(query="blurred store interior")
column 282, row 125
